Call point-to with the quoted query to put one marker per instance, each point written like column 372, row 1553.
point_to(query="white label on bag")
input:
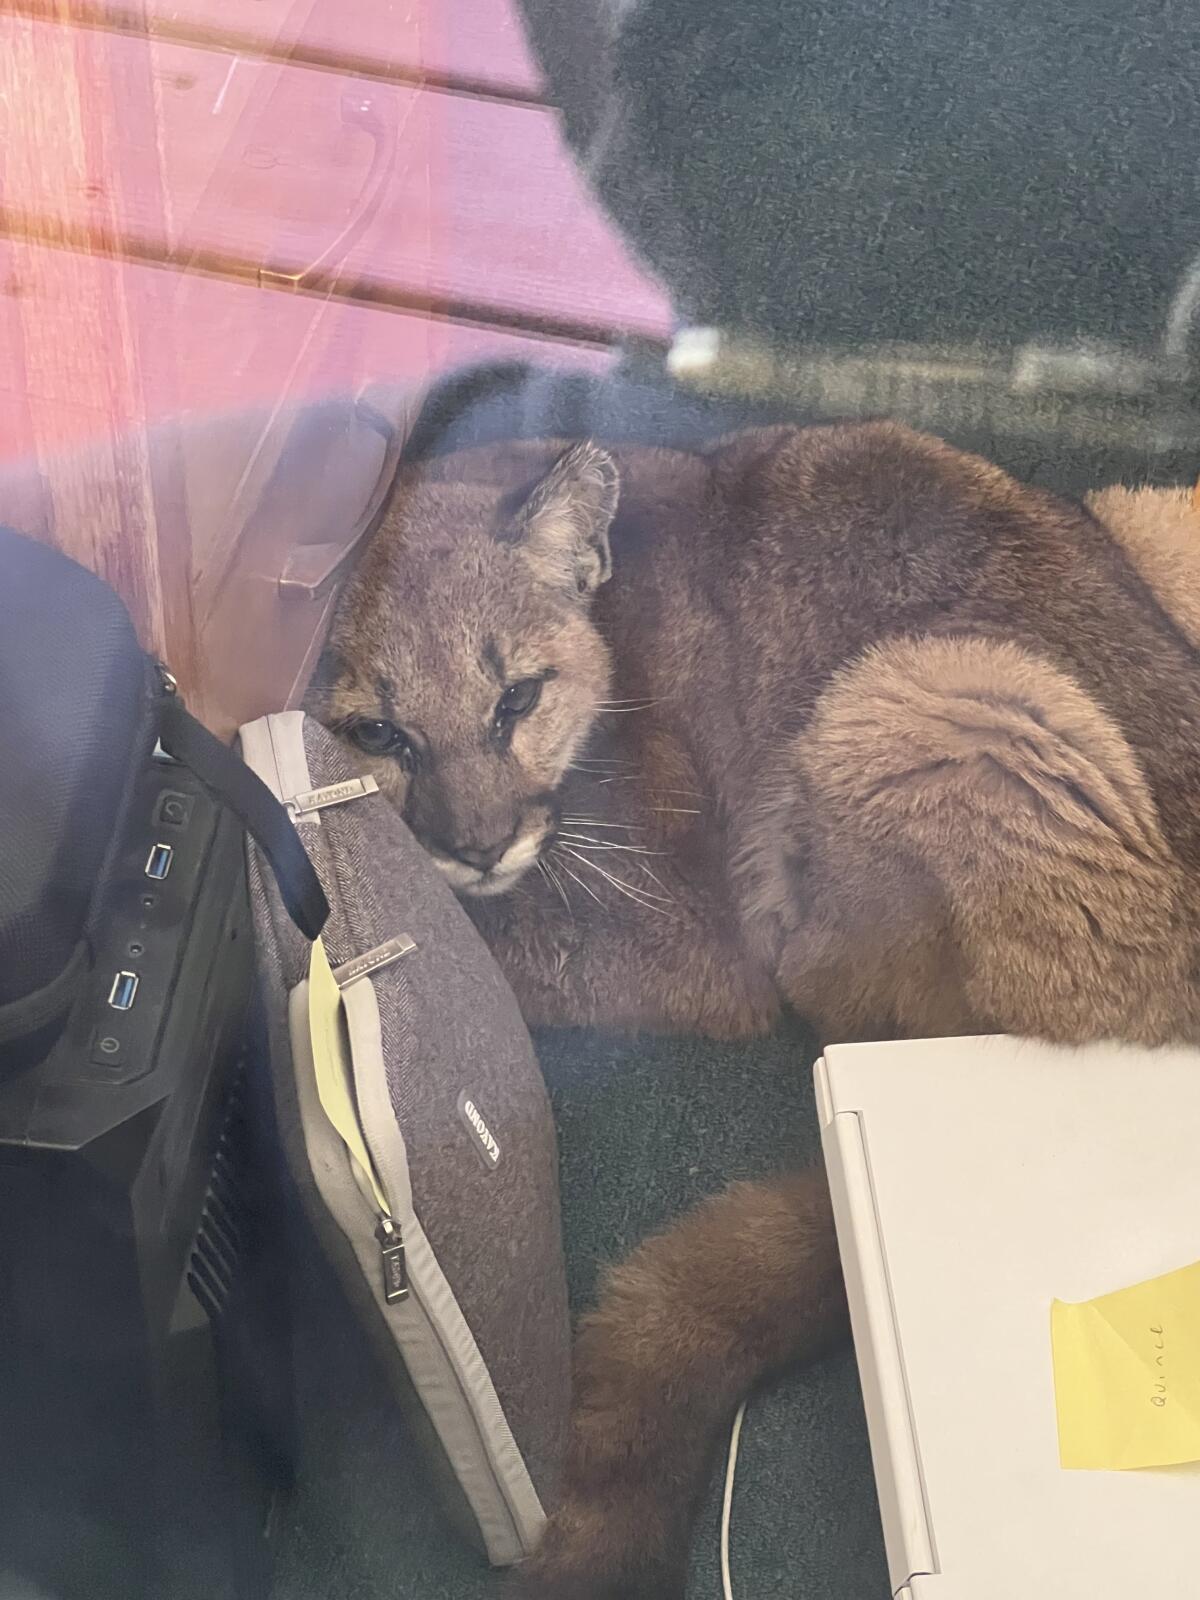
column 334, row 794
column 371, row 960
column 481, row 1135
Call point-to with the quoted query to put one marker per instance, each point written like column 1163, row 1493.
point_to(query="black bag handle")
column 244, row 792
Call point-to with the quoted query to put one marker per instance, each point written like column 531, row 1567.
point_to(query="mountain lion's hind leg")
column 985, row 853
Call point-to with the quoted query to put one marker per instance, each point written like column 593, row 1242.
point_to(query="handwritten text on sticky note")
column 1127, row 1375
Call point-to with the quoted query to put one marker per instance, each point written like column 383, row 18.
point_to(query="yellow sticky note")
column 331, row 1063
column 1127, row 1375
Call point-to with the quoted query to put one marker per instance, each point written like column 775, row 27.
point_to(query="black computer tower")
column 144, row 1363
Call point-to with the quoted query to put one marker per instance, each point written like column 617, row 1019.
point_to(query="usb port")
column 158, row 862
column 124, row 988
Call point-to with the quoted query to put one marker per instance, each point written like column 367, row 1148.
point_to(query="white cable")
column 735, row 1439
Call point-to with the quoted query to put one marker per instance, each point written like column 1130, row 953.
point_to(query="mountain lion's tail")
column 739, row 1288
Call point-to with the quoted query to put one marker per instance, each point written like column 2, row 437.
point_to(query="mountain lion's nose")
column 482, row 857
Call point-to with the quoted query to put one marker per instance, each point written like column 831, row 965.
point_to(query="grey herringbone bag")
column 459, row 1281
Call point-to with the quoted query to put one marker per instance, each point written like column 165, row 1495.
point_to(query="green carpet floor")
column 645, row 1129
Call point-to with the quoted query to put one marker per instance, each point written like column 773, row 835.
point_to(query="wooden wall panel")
column 413, row 196
column 229, row 346
column 475, row 44
column 75, row 123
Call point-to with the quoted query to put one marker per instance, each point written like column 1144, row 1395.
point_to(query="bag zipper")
column 388, row 1182
column 393, row 1258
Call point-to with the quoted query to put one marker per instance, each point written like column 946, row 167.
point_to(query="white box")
column 973, row 1181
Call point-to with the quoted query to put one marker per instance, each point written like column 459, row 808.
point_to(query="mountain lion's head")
column 462, row 663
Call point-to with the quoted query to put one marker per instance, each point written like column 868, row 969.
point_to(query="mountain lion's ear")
column 563, row 524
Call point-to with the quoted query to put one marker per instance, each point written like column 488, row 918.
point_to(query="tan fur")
column 1160, row 532
column 757, row 1269
column 860, row 725
column 1049, row 894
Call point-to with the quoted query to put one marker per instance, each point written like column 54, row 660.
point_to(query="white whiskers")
column 589, row 842
column 547, row 872
column 575, row 878
column 652, row 875
column 641, row 897
column 585, row 841
column 596, row 822
column 635, row 777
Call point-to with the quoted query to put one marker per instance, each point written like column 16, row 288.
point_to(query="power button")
column 106, row 1049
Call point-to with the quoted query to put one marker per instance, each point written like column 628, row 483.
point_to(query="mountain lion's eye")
column 378, row 738
column 519, row 699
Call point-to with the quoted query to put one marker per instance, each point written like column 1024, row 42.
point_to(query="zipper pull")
column 395, row 1266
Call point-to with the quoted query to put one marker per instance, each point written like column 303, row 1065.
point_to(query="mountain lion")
column 834, row 718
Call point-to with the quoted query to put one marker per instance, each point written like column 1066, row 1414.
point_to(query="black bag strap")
column 248, row 797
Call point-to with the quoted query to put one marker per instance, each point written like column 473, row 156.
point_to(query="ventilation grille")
column 224, row 1237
